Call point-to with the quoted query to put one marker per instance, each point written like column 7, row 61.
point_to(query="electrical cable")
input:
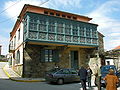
column 10, row 6
column 16, row 15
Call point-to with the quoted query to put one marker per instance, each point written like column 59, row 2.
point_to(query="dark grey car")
column 61, row 76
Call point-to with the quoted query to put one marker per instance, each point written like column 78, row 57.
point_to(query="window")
column 33, row 26
column 74, row 17
column 94, row 34
column 19, row 34
column 75, row 31
column 68, row 29
column 60, row 28
column 51, row 13
column 51, row 26
column 57, row 14
column 42, row 25
column 14, row 42
column 63, row 16
column 18, row 57
column 45, row 12
column 69, row 17
column 88, row 33
column 48, row 55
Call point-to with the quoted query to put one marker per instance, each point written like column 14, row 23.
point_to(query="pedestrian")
column 111, row 80
column 98, row 77
column 83, row 75
column 89, row 74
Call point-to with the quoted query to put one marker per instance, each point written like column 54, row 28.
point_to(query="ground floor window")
column 49, row 55
column 18, row 57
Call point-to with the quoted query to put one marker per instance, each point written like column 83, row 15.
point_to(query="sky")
column 105, row 13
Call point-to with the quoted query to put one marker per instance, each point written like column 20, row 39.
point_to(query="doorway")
column 74, row 59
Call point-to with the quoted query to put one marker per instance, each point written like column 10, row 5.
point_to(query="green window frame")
column 49, row 55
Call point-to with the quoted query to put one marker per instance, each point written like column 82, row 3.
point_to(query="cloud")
column 15, row 7
column 108, row 25
column 4, row 42
column 115, row 34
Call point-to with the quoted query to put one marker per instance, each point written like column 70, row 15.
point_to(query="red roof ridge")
column 116, row 48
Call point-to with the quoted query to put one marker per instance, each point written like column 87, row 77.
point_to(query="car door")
column 66, row 75
column 74, row 75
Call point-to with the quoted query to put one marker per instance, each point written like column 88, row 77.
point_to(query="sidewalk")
column 15, row 77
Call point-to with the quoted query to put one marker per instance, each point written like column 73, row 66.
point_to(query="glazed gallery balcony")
column 44, row 28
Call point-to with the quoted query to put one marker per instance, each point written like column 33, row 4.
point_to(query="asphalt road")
column 6, row 84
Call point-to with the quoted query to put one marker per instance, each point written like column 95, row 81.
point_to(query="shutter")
column 42, row 55
column 55, row 55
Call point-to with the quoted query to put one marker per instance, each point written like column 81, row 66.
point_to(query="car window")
column 64, row 71
column 72, row 71
column 54, row 70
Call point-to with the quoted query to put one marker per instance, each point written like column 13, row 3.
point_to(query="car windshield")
column 54, row 70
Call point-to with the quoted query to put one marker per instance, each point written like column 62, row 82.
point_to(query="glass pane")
column 42, row 27
column 33, row 26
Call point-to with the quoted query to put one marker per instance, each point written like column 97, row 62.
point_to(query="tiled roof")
column 117, row 48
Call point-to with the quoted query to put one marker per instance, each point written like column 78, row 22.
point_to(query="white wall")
column 109, row 60
column 19, row 44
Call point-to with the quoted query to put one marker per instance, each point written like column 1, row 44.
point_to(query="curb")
column 26, row 80
column 13, row 79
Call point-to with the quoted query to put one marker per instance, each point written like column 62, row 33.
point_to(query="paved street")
column 7, row 84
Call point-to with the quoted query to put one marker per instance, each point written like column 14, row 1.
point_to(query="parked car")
column 61, row 76
column 104, row 71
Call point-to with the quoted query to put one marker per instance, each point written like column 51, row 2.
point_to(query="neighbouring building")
column 113, row 57
column 0, row 49
column 43, row 38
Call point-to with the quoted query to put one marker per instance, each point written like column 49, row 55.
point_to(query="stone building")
column 43, row 38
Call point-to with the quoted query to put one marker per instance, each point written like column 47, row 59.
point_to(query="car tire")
column 60, row 81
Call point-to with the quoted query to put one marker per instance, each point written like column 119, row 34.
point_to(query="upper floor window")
column 57, row 14
column 51, row 13
column 63, row 16
column 14, row 41
column 33, row 26
column 60, row 28
column 45, row 12
column 19, row 34
column 88, row 33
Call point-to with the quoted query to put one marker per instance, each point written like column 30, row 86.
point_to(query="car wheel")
column 60, row 81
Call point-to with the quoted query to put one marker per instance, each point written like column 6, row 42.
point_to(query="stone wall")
column 34, row 68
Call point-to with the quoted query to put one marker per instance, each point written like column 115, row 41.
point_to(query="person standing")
column 98, row 77
column 83, row 75
column 89, row 74
column 111, row 80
